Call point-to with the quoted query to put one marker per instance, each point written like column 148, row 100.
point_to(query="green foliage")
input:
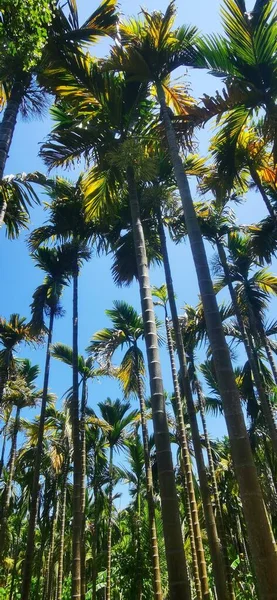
column 23, row 31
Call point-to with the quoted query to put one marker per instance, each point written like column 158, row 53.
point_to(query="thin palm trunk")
column 109, row 541
column 139, row 575
column 262, row 544
column 256, row 178
column 95, row 535
column 157, row 586
column 61, row 535
column 49, row 567
column 83, row 485
column 8, row 491
column 197, row 550
column 267, row 347
column 4, row 433
column 77, row 462
column 214, row 540
column 29, row 555
column 176, row 562
column 265, row 404
column 7, row 127
column 219, row 516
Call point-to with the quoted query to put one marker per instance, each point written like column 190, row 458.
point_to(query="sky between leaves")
column 19, row 277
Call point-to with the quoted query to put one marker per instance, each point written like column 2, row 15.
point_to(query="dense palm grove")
column 201, row 517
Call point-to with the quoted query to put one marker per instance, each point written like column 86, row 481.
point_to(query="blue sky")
column 19, row 276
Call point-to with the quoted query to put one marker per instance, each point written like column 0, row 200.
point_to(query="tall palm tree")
column 247, row 68
column 46, row 301
column 86, row 371
column 127, row 329
column 159, row 49
column 67, row 223
column 162, row 300
column 114, row 116
column 114, row 415
column 12, row 334
column 20, row 392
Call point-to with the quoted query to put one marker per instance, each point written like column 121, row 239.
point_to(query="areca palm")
column 17, row 195
column 199, row 564
column 20, row 392
column 127, row 329
column 46, row 301
column 67, row 224
column 12, row 334
column 115, row 118
column 86, row 371
column 150, row 54
column 118, row 422
column 244, row 58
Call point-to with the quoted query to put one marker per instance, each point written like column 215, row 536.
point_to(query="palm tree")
column 247, row 68
column 46, row 301
column 135, row 478
column 86, row 371
column 113, row 115
column 21, row 392
column 16, row 196
column 127, row 329
column 158, row 50
column 67, row 223
column 12, row 334
column 196, row 538
column 117, row 422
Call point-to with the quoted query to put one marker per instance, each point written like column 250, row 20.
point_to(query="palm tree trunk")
column 61, row 535
column 83, row 485
column 109, row 541
column 157, row 586
column 265, row 404
column 256, row 178
column 139, row 574
column 8, row 491
column 4, row 432
column 176, row 562
column 49, row 568
column 219, row 517
column 197, row 550
column 214, row 541
column 95, row 534
column 77, row 461
column 28, row 563
column 267, row 347
column 261, row 540
column 7, row 127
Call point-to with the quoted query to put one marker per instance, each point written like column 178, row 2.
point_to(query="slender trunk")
column 8, row 491
column 267, row 347
column 175, row 556
column 29, row 555
column 214, row 541
column 261, row 540
column 49, row 568
column 197, row 550
column 157, row 586
column 83, row 486
column 219, row 516
column 265, row 404
column 77, row 462
column 4, row 431
column 11, row 594
column 109, row 542
column 95, row 534
column 61, row 535
column 256, row 178
column 7, row 127
column 139, row 575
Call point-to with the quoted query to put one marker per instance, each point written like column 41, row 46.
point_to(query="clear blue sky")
column 19, row 277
